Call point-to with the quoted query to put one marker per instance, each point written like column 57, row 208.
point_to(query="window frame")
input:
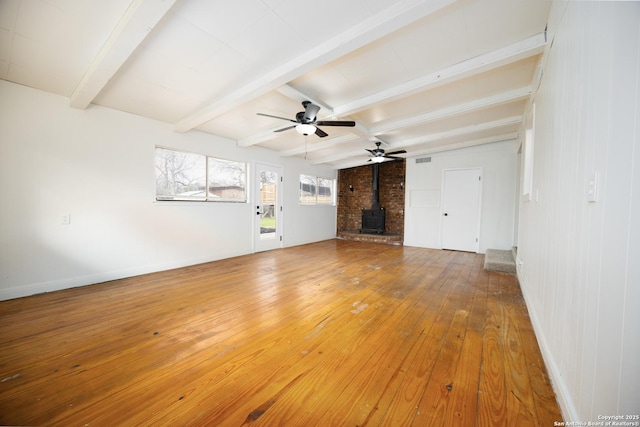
column 208, row 195
column 316, row 199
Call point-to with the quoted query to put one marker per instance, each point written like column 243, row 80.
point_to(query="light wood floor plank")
column 436, row 323
column 333, row 333
column 450, row 396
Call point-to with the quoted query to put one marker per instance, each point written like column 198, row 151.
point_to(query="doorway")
column 461, row 202
column 268, row 203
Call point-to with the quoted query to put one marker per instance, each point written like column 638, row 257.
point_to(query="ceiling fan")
column 306, row 122
column 379, row 155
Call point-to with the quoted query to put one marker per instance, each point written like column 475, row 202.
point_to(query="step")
column 500, row 260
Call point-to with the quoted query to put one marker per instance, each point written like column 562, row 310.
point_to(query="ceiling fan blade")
column 396, row 152
column 276, row 117
column 347, row 123
column 371, row 151
column 321, row 133
column 394, row 157
column 283, row 129
column 310, row 111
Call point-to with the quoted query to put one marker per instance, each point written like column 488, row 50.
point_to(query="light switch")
column 65, row 219
column 592, row 187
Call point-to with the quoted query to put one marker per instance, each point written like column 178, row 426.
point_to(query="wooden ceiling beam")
column 308, row 148
column 465, row 144
column 298, row 96
column 523, row 49
column 352, row 162
column 135, row 24
column 379, row 25
column 467, row 130
column 454, row 110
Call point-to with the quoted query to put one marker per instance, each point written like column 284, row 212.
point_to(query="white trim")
column 489, row 61
column 377, row 26
column 442, row 196
column 567, row 407
column 129, row 32
column 454, row 110
column 279, row 208
column 97, row 278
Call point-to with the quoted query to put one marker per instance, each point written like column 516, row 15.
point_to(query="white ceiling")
column 422, row 76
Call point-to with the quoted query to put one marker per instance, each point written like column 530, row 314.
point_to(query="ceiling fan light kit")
column 378, row 154
column 305, row 129
column 307, row 123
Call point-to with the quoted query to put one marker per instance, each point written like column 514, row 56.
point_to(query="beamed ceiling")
column 420, row 76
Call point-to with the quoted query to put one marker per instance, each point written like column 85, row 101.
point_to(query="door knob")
column 446, row 214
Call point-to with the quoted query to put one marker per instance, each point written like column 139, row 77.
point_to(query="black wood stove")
column 373, row 219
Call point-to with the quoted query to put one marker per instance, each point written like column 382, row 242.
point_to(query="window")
column 180, row 175
column 316, row 190
column 191, row 176
column 227, row 180
column 307, row 190
column 527, row 155
column 325, row 191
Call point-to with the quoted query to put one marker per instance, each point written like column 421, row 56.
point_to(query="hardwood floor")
column 332, row 333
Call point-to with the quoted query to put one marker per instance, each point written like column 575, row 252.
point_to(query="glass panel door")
column 268, row 204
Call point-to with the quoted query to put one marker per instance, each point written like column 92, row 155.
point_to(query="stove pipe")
column 376, row 195
column 373, row 219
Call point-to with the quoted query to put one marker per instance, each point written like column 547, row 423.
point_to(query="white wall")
column 97, row 165
column 423, row 216
column 580, row 271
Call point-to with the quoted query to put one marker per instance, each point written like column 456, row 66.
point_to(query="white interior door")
column 268, row 204
column 461, row 194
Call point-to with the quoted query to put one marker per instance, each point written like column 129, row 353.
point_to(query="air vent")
column 424, row 160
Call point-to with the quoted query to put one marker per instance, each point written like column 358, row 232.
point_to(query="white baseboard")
column 78, row 281
column 91, row 279
column 565, row 401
